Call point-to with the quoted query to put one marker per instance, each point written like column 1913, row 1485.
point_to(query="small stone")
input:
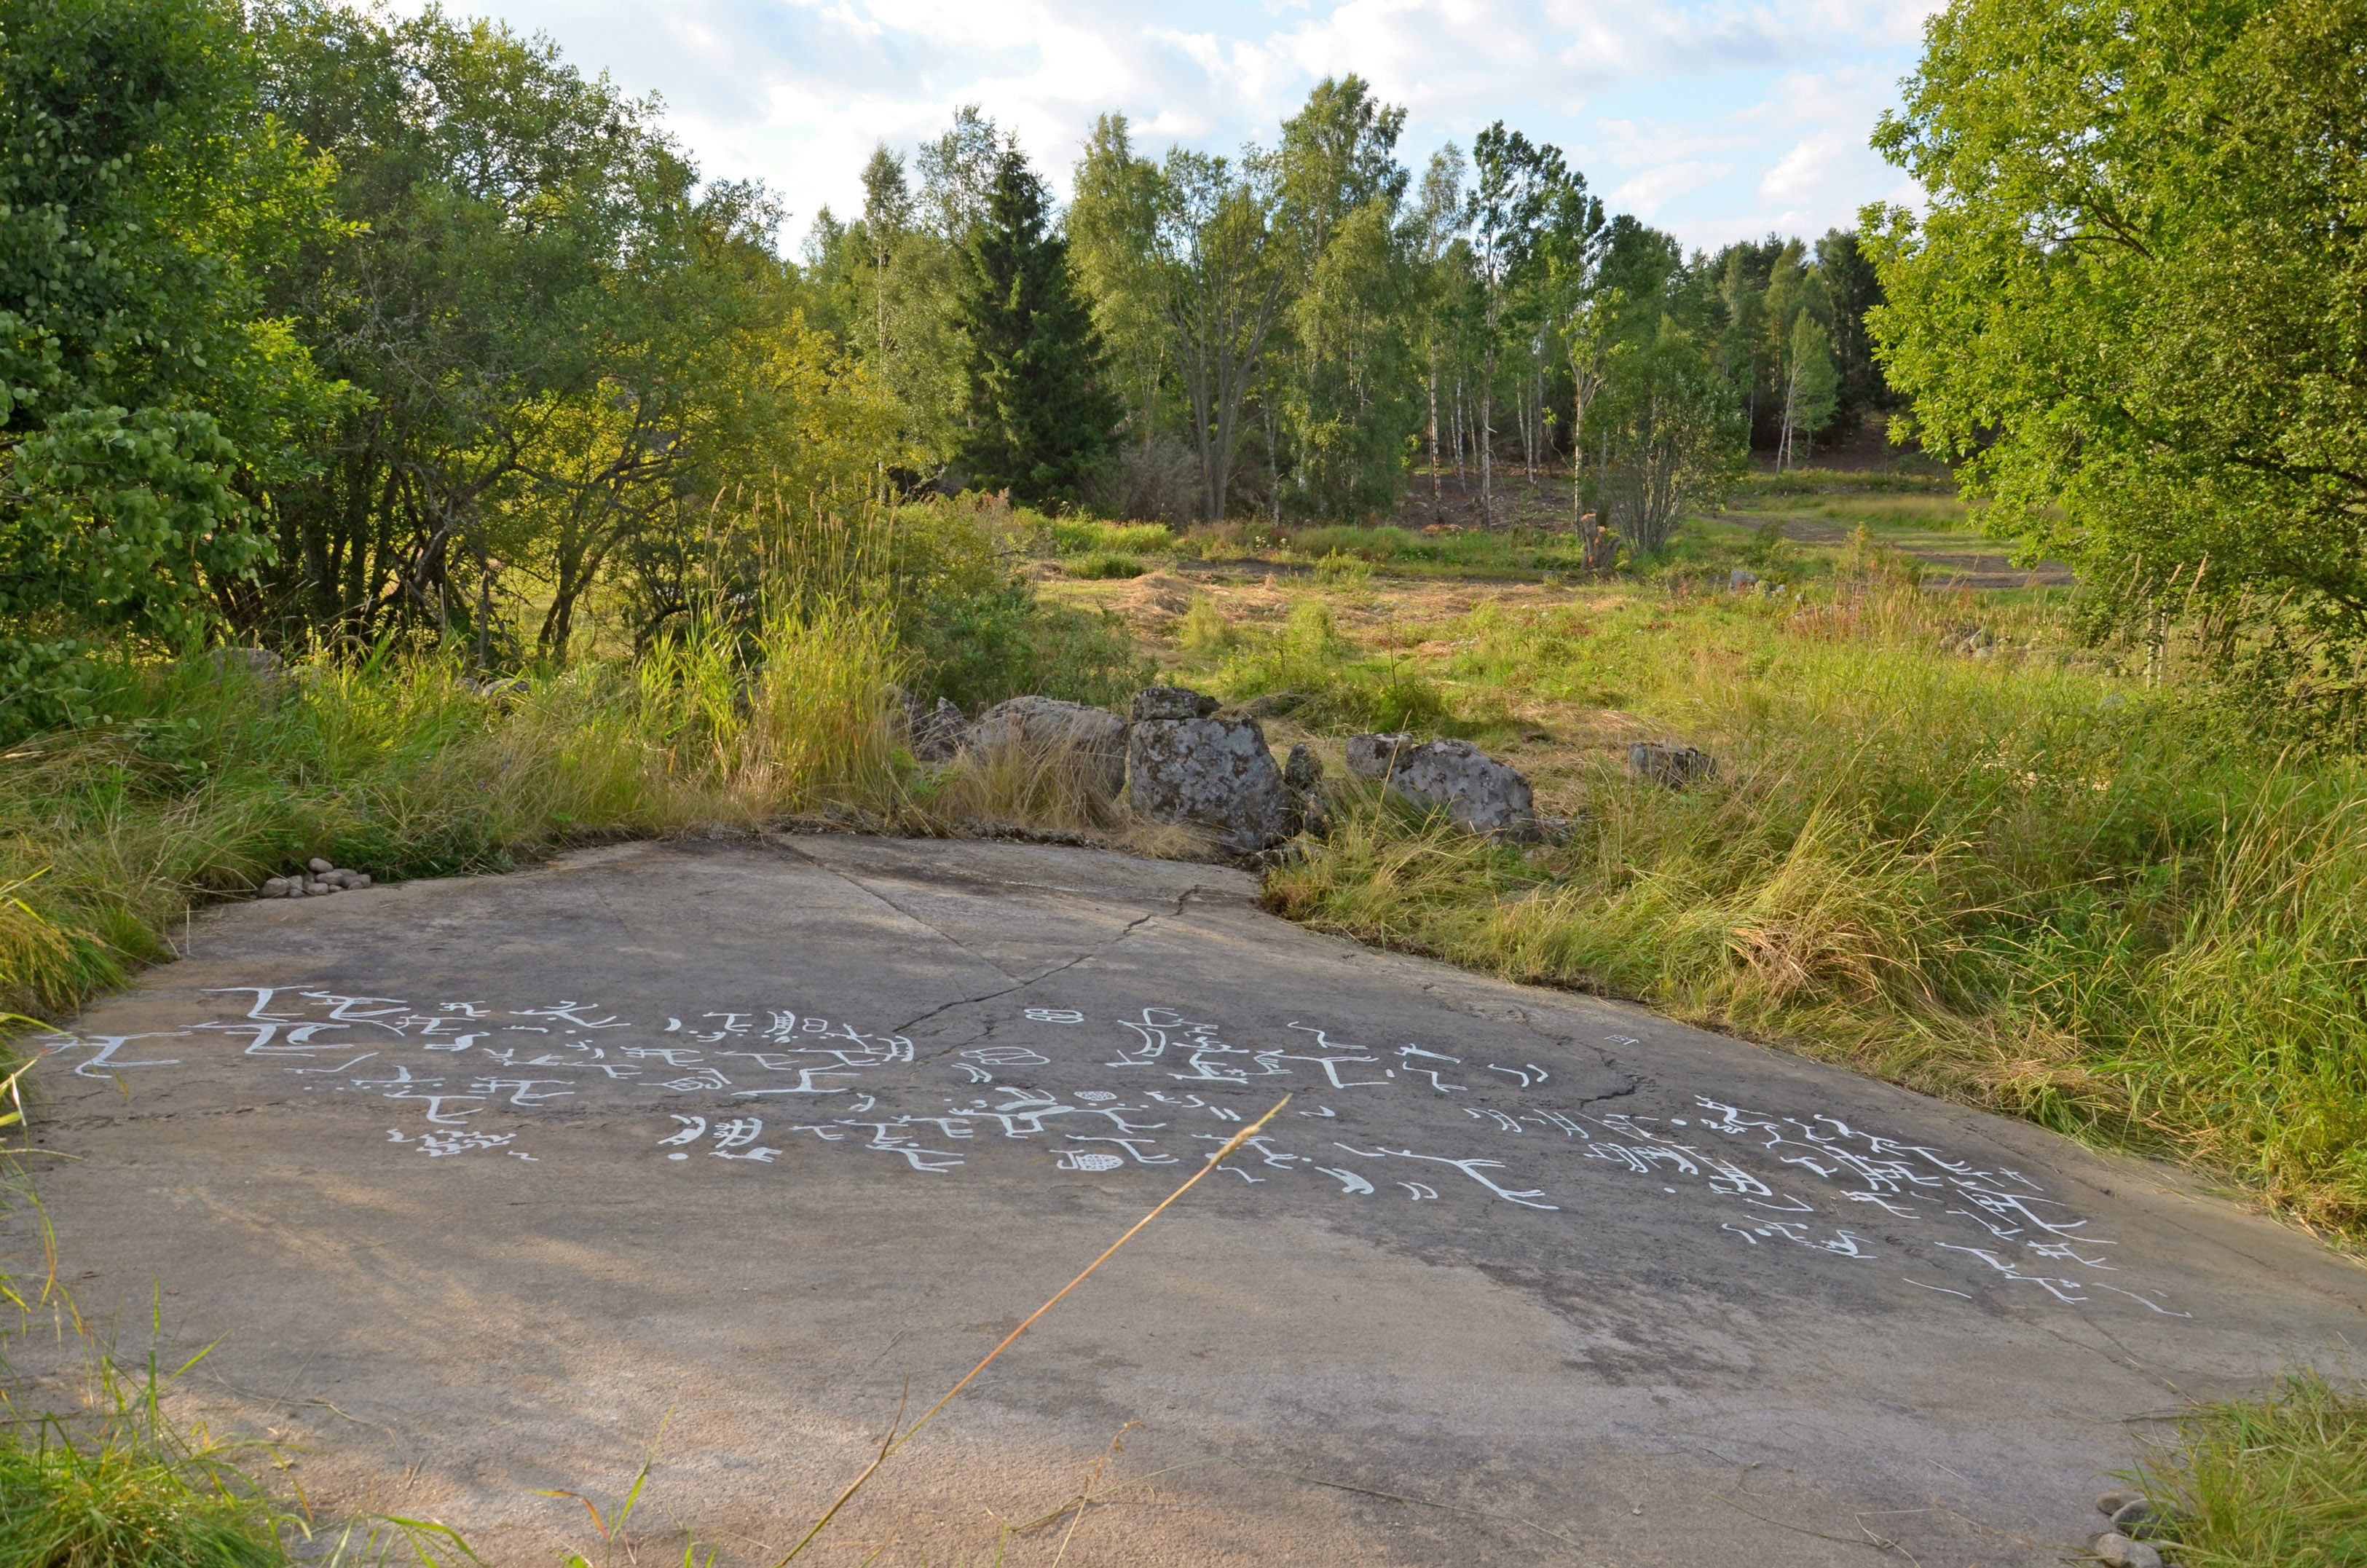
column 274, row 887
column 2116, row 1550
column 1302, row 768
column 2136, row 1520
column 1674, row 766
column 2112, row 1502
column 1740, row 581
column 1171, row 702
column 360, row 879
column 318, row 866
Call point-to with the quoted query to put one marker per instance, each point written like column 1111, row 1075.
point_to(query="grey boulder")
column 1036, row 731
column 1480, row 794
column 1171, row 702
column 1674, row 766
column 937, row 734
column 1187, row 765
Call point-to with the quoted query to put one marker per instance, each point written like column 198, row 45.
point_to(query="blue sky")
column 1715, row 121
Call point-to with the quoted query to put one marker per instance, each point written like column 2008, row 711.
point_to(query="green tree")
column 1512, row 186
column 1344, row 374
column 2133, row 308
column 1674, row 432
column 1224, row 280
column 518, row 243
column 1811, row 386
column 1041, row 416
column 1855, row 290
column 150, row 400
column 1112, row 225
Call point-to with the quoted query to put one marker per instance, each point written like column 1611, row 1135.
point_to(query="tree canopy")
column 2134, row 305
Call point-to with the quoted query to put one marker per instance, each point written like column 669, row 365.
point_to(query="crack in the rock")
column 1636, row 1082
column 1019, row 985
column 871, row 892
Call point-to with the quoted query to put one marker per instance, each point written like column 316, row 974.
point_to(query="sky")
column 1714, row 121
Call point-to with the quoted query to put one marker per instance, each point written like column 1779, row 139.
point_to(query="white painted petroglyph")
column 477, row 1076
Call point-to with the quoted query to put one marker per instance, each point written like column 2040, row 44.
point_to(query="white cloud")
column 1714, row 118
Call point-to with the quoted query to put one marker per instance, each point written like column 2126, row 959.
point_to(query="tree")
column 150, row 398
column 1111, row 227
column 1040, row 415
column 1512, row 186
column 511, row 230
column 1811, row 386
column 1343, row 373
column 1674, row 434
column 1576, row 310
column 1223, row 281
column 2134, row 307
column 1855, row 290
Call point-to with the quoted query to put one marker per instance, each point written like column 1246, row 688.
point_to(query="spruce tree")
column 1041, row 413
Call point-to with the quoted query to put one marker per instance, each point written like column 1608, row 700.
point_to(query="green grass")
column 2278, row 1481
column 2014, row 882
column 136, row 1499
column 1320, row 680
column 1082, row 537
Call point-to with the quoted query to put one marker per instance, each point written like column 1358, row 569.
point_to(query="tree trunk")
column 1437, row 512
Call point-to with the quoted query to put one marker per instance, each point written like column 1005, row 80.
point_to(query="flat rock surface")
column 496, row 1185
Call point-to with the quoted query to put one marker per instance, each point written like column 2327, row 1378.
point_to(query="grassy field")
column 2019, row 877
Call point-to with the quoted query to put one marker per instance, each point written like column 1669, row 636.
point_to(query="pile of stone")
column 1479, row 793
column 317, row 878
column 1183, row 759
column 2134, row 1526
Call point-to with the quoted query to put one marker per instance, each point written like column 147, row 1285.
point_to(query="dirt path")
column 1980, row 569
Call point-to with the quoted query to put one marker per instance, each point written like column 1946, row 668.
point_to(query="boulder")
column 1171, row 702
column 937, row 735
column 1672, row 766
column 1043, row 727
column 1740, row 581
column 1187, row 763
column 1482, row 794
column 1302, row 775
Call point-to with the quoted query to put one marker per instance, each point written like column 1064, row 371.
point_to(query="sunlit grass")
column 2014, row 881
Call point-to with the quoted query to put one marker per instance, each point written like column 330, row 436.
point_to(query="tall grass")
column 2278, row 1481
column 211, row 782
column 2007, row 881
